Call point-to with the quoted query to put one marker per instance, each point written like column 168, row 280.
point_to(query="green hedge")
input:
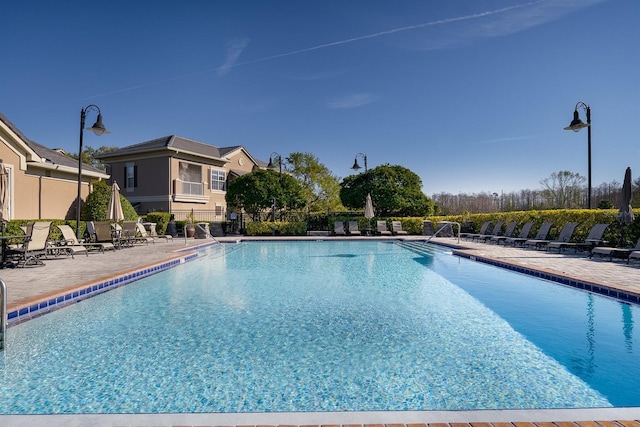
column 586, row 218
column 276, row 228
column 161, row 219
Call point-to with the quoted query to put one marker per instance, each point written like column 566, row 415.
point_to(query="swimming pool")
column 324, row 326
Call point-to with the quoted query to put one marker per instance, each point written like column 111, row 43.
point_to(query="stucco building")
column 178, row 175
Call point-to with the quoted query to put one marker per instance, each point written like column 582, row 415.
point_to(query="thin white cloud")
column 506, row 139
column 352, row 101
column 234, row 50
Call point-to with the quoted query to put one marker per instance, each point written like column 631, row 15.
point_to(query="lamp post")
column 356, row 166
column 575, row 125
column 275, row 156
column 99, row 129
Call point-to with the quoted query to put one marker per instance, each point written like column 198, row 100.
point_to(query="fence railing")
column 214, row 215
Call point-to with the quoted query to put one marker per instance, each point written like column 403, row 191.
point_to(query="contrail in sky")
column 387, row 32
column 230, row 62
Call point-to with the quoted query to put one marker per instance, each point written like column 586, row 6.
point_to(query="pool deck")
column 29, row 286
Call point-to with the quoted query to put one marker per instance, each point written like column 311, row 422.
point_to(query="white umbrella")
column 4, row 192
column 114, row 210
column 368, row 208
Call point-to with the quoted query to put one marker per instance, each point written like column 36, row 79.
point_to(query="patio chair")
column 522, row 236
column 354, row 230
column 153, row 233
column 542, row 234
column 508, row 232
column 69, row 244
column 495, row 231
column 92, row 241
column 483, row 230
column 130, row 233
column 594, row 238
column 101, row 232
column 613, row 252
column 34, row 247
column 396, row 228
column 381, row 228
column 563, row 237
column 338, row 229
column 145, row 234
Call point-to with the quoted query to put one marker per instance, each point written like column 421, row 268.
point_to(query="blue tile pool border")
column 597, row 288
column 46, row 305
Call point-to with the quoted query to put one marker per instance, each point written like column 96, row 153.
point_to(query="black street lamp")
column 275, row 156
column 99, row 129
column 356, row 166
column 575, row 125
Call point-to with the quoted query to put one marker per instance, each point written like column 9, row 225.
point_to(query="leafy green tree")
column 256, row 191
column 321, row 188
column 95, row 207
column 395, row 191
column 89, row 153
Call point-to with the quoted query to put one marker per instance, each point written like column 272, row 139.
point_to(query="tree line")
column 561, row 190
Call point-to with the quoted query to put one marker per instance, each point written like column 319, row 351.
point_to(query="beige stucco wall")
column 37, row 191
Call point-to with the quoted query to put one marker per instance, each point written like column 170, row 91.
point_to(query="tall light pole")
column 575, row 125
column 99, row 129
column 356, row 166
column 275, row 156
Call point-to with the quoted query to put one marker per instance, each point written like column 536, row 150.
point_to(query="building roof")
column 171, row 143
column 181, row 145
column 46, row 156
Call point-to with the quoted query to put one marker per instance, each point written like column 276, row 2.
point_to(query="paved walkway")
column 27, row 285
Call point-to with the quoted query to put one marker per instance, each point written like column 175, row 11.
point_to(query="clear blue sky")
column 472, row 95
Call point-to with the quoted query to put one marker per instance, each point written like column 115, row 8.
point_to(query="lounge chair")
column 69, row 239
column 142, row 231
column 396, row 227
column 34, row 247
column 495, row 231
column 542, row 234
column 633, row 255
column 594, row 238
column 354, row 230
column 612, row 252
column 521, row 237
column 153, row 233
column 508, row 232
column 483, row 230
column 101, row 232
column 563, row 237
column 381, row 228
column 68, row 245
column 338, row 229
column 132, row 235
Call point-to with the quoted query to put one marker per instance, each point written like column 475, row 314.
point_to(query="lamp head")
column 98, row 128
column 271, row 165
column 576, row 124
column 355, row 166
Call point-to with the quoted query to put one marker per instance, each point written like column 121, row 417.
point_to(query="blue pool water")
column 325, row 326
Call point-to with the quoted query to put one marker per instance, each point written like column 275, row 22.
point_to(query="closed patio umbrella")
column 368, row 209
column 625, row 214
column 4, row 193
column 114, row 210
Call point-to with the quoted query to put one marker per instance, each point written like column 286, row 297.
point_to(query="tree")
column 95, row 208
column 256, row 191
column 321, row 189
column 89, row 156
column 563, row 189
column 395, row 191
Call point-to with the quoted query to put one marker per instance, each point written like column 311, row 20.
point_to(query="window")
column 190, row 176
column 130, row 176
column 218, row 180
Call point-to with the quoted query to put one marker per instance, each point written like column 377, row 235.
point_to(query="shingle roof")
column 171, row 142
column 51, row 156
